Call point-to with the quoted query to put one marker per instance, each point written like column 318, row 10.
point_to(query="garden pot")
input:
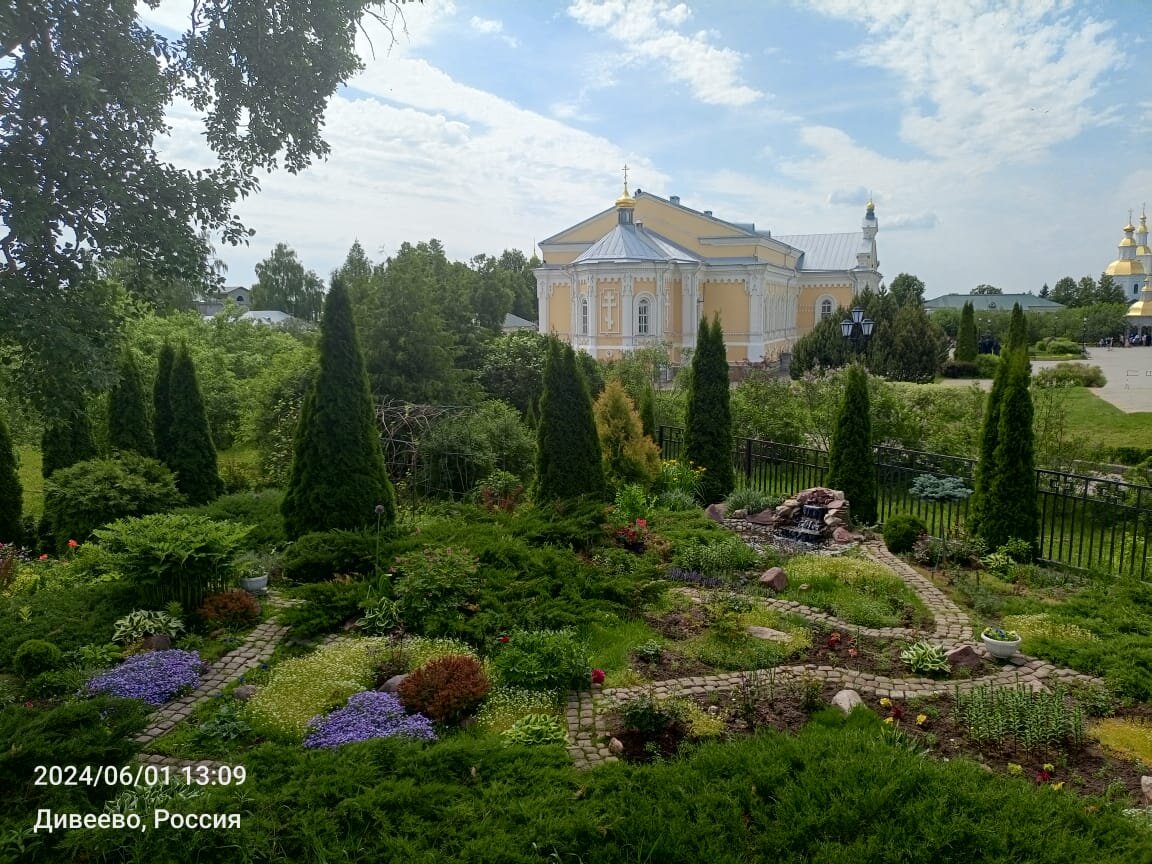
column 1000, row 650
column 255, row 584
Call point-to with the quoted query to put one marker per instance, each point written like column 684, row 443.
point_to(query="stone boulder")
column 963, row 657
column 244, row 692
column 392, row 684
column 157, row 642
column 739, row 514
column 1146, row 789
column 846, row 700
column 817, row 495
column 615, row 746
column 768, row 633
column 716, row 512
column 843, row 535
column 764, row 517
column 774, row 578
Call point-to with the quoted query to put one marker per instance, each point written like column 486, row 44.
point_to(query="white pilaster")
column 627, row 313
column 754, row 288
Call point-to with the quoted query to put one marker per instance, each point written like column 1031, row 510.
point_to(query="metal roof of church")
column 634, row 243
column 824, row 251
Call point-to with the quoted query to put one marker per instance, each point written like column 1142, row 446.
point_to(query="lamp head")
column 867, row 324
column 857, row 315
column 846, row 328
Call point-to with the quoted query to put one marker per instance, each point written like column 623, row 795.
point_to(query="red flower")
column 28, row 704
column 897, row 712
column 1043, row 776
column 597, row 676
column 641, row 524
column 833, row 640
column 43, row 558
column 504, row 640
column 72, row 544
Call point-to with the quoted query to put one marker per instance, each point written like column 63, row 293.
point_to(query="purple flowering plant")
column 367, row 715
column 155, row 677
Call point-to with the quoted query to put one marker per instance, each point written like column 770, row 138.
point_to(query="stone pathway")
column 586, row 712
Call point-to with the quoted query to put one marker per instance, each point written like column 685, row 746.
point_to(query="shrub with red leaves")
column 446, row 689
column 232, row 609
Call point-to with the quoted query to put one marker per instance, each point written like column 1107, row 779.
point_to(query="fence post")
column 748, row 459
column 660, row 441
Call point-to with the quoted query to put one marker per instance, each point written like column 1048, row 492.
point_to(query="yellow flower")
column 1059, row 785
column 921, row 719
column 889, row 720
column 885, row 702
column 1048, row 766
column 1013, row 768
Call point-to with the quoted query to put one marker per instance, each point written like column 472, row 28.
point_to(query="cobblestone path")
column 586, row 712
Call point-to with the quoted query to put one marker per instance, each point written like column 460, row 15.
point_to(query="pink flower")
column 641, row 524
column 597, row 676
column 43, row 558
column 72, row 544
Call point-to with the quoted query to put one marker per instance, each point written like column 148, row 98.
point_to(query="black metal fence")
column 1085, row 522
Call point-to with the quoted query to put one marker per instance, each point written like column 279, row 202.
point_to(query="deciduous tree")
column 283, row 284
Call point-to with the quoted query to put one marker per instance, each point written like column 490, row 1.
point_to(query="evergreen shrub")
column 851, row 462
column 319, row 556
column 432, row 584
column 630, row 456
column 36, row 656
column 901, row 532
column 708, row 423
column 960, row 369
column 260, row 510
column 66, row 441
column 129, row 422
column 192, row 457
column 82, row 497
column 327, row 605
column 234, row 609
column 543, row 660
column 446, row 689
column 11, row 493
column 568, row 460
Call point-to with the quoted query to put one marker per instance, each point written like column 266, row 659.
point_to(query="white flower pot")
column 255, row 584
column 1000, row 650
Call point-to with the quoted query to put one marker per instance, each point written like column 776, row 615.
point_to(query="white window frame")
column 648, row 300
column 820, row 313
column 584, row 316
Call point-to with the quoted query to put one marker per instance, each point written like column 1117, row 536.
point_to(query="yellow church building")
column 646, row 270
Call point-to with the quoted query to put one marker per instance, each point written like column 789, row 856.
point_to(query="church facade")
column 1134, row 260
column 648, row 269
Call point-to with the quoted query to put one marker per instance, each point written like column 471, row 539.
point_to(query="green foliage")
column 856, row 590
column 381, row 615
column 500, row 490
column 1070, row 375
column 66, row 441
column 924, row 658
column 631, row 504
column 283, row 284
column 960, row 369
column 536, row 730
column 327, row 605
column 193, row 455
column 513, row 368
column 446, row 689
column 568, row 460
column 901, row 532
column 319, row 556
column 1022, row 717
column 34, row 657
column 11, row 492
column 822, row 347
column 751, row 500
column 505, row 705
column 458, row 452
column 142, row 622
column 651, row 717
column 648, row 412
column 708, row 424
column 1057, row 345
column 129, row 423
column 162, row 403
column 931, row 487
column 983, row 505
column 173, row 557
column 629, row 455
column 432, row 585
column 911, row 348
column 338, row 474
column 1010, row 507
column 966, row 335
column 260, row 510
column 851, row 463
column 723, row 558
column 1017, row 332
column 543, row 660
column 82, row 497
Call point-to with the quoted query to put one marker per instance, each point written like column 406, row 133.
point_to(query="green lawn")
column 1104, row 423
column 30, row 480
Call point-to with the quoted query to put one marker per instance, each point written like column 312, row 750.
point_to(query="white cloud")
column 857, row 195
column 491, row 27
column 987, row 80
column 910, row 221
column 649, row 29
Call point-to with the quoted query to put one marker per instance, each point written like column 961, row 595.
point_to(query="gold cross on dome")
column 625, row 179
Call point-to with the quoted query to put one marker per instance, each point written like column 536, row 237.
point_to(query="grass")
column 30, row 480
column 1131, row 738
column 1102, row 422
column 609, row 643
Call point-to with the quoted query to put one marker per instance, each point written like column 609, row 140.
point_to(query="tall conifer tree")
column 11, row 493
column 193, row 455
column 67, row 440
column 1011, row 507
column 708, row 421
column 338, row 477
column 1017, row 330
column 162, row 404
column 568, row 461
column 648, row 411
column 851, row 462
column 966, row 335
column 129, row 426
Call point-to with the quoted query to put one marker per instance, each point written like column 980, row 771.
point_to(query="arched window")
column 583, row 316
column 826, row 307
column 239, row 298
column 643, row 317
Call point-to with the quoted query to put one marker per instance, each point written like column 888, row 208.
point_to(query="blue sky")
column 1003, row 141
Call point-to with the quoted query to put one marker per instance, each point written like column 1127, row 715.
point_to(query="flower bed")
column 367, row 715
column 155, row 677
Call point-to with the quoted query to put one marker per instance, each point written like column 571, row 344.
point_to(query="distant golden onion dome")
column 625, row 201
column 1143, row 250
column 1129, row 228
column 1127, row 241
column 1140, row 309
column 1125, row 267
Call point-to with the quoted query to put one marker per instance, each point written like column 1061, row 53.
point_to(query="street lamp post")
column 857, row 329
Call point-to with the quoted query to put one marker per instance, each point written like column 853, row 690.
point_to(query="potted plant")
column 1000, row 643
column 253, row 576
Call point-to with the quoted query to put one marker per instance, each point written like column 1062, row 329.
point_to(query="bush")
column 987, row 364
column 722, row 558
column 320, row 556
column 500, row 490
column 87, row 495
column 432, row 584
column 650, row 717
column 629, row 455
column 326, row 606
column 233, row 609
column 506, row 705
column 533, row 730
column 961, row 369
column 751, row 500
column 1070, row 375
column 901, row 532
column 174, row 557
column 1056, row 345
column 543, row 660
column 459, row 452
column 136, row 625
column 36, row 656
column 261, row 510
column 446, row 689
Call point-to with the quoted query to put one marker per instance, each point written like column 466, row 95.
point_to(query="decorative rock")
column 768, row 633
column 244, row 692
column 963, row 657
column 774, row 578
column 843, row 535
column 846, row 700
column 740, row 514
column 764, row 517
column 616, row 747
column 1146, row 789
column 716, row 512
column 392, row 684
column 158, row 642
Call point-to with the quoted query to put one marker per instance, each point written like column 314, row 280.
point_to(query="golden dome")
column 1129, row 228
column 625, row 200
column 1127, row 241
column 1125, row 267
column 1140, row 309
column 1143, row 250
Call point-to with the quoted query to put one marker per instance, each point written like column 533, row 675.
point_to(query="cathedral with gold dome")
column 648, row 269
column 1132, row 271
